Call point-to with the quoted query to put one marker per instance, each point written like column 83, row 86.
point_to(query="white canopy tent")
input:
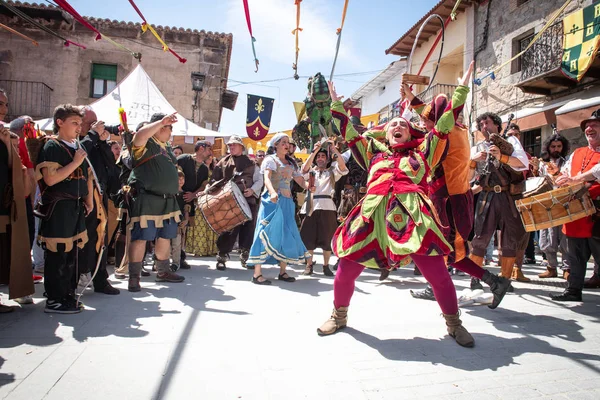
column 140, row 98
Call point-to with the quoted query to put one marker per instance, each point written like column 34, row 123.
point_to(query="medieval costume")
column 15, row 262
column 452, row 197
column 62, row 231
column 320, row 216
column 201, row 240
column 495, row 207
column 246, row 175
column 396, row 219
column 582, row 240
column 153, row 210
column 276, row 237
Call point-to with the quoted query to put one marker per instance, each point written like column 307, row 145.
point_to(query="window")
column 104, row 79
column 519, row 44
column 532, row 141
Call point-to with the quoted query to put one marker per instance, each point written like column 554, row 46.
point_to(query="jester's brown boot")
column 457, row 331
column 337, row 321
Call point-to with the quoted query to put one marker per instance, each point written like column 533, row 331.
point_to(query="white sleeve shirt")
column 519, row 153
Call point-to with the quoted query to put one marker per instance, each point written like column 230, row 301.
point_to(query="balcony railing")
column 27, row 98
column 545, row 55
column 440, row 88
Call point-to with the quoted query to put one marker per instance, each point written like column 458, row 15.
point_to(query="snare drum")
column 555, row 208
column 225, row 208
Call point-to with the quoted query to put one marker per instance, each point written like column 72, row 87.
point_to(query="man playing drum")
column 580, row 241
column 497, row 173
column 320, row 220
column 246, row 175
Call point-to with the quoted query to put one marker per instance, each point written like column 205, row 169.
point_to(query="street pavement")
column 218, row 336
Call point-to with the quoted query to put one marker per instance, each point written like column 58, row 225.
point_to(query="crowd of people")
column 412, row 189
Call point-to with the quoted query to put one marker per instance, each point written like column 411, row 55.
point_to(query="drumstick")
column 244, row 183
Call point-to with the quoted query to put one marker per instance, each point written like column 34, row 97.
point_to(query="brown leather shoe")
column 169, row 277
column 550, row 273
column 457, row 331
column 593, row 282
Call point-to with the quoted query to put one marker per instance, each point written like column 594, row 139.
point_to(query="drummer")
column 246, row 175
column 580, row 241
column 489, row 169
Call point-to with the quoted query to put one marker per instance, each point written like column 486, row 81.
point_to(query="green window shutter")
column 104, row 72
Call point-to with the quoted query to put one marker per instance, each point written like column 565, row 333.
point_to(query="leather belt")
column 322, row 196
column 496, row 189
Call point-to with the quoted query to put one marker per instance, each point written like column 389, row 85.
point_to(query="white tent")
column 140, row 98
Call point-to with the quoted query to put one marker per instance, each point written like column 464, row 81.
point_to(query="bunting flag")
column 64, row 4
column 247, row 11
column 296, row 32
column 300, row 110
column 258, row 117
column 146, row 26
column 19, row 34
column 581, row 40
column 33, row 22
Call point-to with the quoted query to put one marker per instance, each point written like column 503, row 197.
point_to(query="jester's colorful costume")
column 396, row 219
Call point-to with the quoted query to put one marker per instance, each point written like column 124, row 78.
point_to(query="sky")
column 371, row 26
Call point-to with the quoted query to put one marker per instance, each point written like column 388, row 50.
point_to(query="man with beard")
column 499, row 176
column 557, row 149
column 103, row 163
column 580, row 241
column 196, row 172
column 246, row 175
column 320, row 221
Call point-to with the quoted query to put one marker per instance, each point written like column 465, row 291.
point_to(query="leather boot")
column 457, row 331
column 506, row 266
column 327, row 271
column 593, row 282
column 517, row 275
column 135, row 269
column 475, row 284
column 550, row 273
column 499, row 286
column 569, row 294
column 476, row 259
column 337, row 321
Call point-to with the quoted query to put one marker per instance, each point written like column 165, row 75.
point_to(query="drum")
column 537, row 185
column 555, row 208
column 225, row 208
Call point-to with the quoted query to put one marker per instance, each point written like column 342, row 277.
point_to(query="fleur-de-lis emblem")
column 259, row 106
column 256, row 132
column 590, row 51
column 574, row 29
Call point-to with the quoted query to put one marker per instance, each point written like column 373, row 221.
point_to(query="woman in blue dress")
column 276, row 237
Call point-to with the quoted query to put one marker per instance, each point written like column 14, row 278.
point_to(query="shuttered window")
column 104, row 79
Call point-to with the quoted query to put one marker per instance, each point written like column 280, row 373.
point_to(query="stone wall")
column 507, row 21
column 67, row 70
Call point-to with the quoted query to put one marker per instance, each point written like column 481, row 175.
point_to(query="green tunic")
column 66, row 224
column 155, row 184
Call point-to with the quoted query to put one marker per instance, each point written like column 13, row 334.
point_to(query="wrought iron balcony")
column 440, row 88
column 27, row 98
column 545, row 55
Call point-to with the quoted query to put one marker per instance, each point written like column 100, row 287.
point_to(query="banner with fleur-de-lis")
column 581, row 40
column 258, row 117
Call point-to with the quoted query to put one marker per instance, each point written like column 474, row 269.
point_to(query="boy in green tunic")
column 66, row 200
column 154, row 210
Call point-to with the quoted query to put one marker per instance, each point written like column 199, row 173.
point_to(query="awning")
column 572, row 113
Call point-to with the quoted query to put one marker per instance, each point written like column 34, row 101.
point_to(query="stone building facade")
column 39, row 78
column 531, row 87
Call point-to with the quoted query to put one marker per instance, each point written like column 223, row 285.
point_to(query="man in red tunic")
column 580, row 242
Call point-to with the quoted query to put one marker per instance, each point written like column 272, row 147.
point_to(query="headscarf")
column 275, row 139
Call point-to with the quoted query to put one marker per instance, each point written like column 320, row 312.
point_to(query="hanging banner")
column 258, row 117
column 581, row 39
